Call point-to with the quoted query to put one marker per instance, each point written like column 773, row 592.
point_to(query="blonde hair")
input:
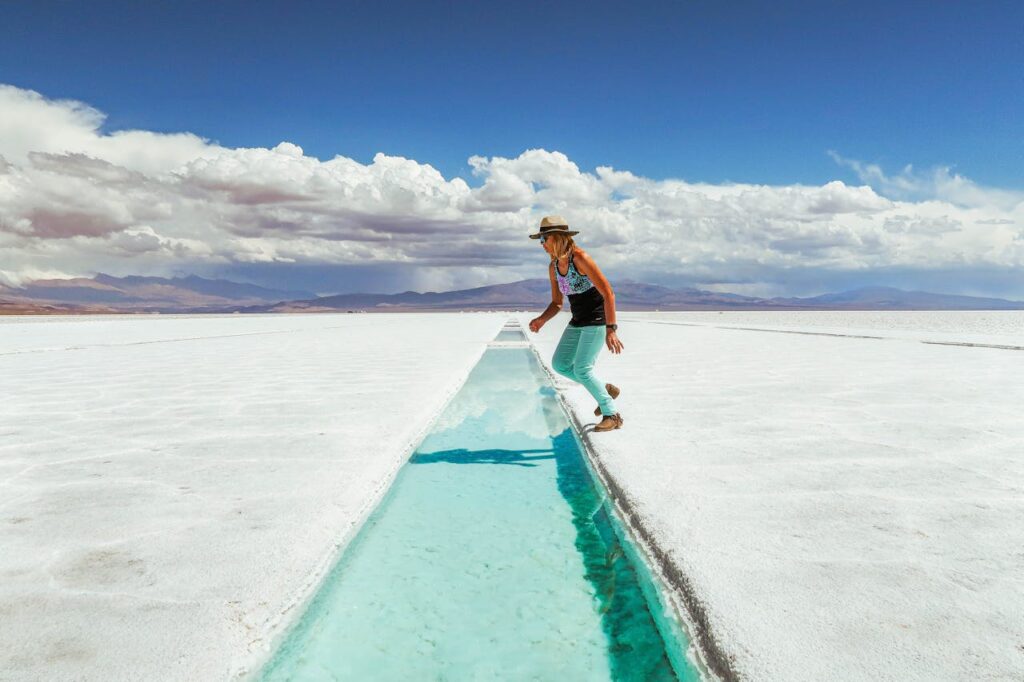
column 564, row 245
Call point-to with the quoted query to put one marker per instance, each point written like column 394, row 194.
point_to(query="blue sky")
column 761, row 148
column 706, row 91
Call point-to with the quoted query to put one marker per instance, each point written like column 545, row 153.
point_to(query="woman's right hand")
column 535, row 324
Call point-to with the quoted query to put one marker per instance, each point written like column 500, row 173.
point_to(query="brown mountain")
column 535, row 293
column 104, row 293
column 524, row 294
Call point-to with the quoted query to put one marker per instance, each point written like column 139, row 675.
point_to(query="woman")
column 574, row 273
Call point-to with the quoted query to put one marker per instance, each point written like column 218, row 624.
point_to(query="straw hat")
column 554, row 224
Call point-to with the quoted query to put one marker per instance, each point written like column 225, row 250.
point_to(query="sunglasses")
column 543, row 239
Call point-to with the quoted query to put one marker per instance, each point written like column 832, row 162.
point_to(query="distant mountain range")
column 524, row 294
column 887, row 298
column 106, row 294
column 629, row 295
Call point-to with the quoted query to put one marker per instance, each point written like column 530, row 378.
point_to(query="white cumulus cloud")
column 77, row 200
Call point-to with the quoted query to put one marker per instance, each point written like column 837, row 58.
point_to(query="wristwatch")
column 613, row 327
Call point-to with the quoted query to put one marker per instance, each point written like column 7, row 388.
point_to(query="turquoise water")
column 492, row 556
column 510, row 335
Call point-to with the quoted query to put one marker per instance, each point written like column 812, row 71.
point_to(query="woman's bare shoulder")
column 582, row 255
column 587, row 266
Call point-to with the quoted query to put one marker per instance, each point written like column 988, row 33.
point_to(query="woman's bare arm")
column 554, row 307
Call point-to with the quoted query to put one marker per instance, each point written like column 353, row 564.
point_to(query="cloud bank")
column 75, row 200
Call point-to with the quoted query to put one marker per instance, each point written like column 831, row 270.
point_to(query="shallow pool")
column 492, row 556
column 509, row 334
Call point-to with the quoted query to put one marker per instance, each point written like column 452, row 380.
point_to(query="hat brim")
column 566, row 231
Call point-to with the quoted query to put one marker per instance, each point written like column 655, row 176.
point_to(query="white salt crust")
column 842, row 508
column 171, row 489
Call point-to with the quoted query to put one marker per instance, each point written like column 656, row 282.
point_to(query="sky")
column 760, row 148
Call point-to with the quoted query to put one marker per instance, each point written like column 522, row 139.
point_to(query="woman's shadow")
column 520, row 458
column 635, row 646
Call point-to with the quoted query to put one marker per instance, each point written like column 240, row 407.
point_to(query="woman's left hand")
column 611, row 339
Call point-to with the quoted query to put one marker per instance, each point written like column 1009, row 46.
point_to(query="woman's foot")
column 613, row 391
column 610, row 421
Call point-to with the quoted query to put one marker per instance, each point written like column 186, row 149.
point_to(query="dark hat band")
column 554, row 229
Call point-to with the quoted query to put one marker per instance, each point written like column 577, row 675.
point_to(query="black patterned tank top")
column 585, row 301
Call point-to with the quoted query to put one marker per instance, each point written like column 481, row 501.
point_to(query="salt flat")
column 997, row 328
column 843, row 508
column 171, row 486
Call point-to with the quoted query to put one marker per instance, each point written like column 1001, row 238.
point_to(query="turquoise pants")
column 574, row 359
